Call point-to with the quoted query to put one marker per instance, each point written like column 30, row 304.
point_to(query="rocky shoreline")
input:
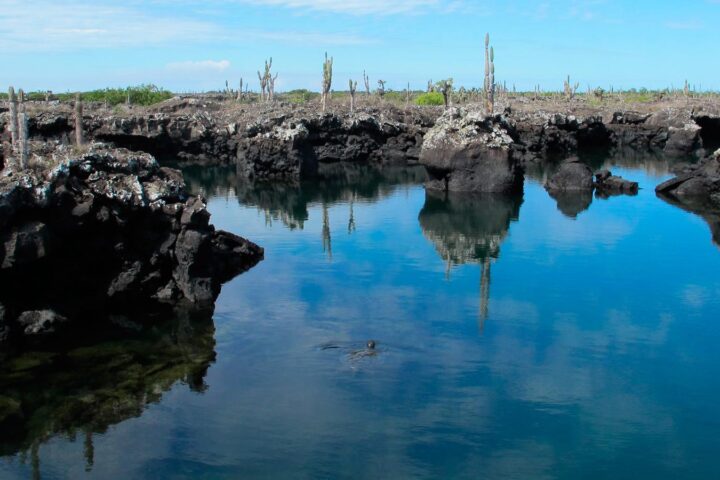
column 105, row 231
column 111, row 229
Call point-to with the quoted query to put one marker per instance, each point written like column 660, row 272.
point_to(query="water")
column 513, row 341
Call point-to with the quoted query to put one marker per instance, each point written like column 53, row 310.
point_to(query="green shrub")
column 139, row 95
column 431, row 98
column 299, row 96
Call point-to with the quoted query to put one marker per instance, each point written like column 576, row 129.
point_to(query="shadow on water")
column 85, row 386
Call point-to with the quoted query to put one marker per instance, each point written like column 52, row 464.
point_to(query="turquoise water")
column 513, row 341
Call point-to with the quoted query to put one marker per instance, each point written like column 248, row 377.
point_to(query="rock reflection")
column 89, row 385
column 704, row 209
column 338, row 183
column 469, row 228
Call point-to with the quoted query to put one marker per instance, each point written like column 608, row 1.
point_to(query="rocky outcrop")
column 696, row 185
column 572, row 175
column 607, row 184
column 572, row 185
column 106, row 230
column 291, row 146
column 467, row 151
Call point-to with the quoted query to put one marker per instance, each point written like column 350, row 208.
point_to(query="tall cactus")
column 22, row 137
column 12, row 101
column 240, row 91
column 327, row 80
column 78, row 121
column 570, row 89
column 271, row 87
column 353, row 89
column 489, row 86
column 366, row 80
column 267, row 82
column 445, row 87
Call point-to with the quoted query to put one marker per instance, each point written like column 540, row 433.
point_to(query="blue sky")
column 192, row 45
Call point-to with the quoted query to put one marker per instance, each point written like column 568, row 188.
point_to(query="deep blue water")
column 513, row 342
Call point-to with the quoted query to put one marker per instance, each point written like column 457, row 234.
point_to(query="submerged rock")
column 470, row 152
column 40, row 322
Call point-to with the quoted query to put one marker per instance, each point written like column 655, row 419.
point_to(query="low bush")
column 430, row 98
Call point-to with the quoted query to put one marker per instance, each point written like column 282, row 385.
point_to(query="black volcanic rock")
column 106, row 230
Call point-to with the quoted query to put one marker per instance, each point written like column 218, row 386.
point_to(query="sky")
column 196, row 45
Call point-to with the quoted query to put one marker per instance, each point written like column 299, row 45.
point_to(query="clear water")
column 513, row 342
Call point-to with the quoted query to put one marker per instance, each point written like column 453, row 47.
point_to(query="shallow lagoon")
column 513, row 341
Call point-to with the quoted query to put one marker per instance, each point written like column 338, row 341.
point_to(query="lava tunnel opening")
column 161, row 148
column 710, row 132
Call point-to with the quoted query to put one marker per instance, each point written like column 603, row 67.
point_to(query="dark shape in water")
column 701, row 208
column 91, row 384
column 572, row 203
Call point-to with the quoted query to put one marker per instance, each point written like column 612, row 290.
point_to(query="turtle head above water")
column 371, row 344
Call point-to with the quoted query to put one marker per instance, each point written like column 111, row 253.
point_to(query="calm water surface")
column 513, row 341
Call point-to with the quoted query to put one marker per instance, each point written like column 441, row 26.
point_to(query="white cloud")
column 200, row 66
column 78, row 25
column 358, row 7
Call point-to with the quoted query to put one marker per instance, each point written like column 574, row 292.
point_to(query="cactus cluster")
column 489, row 76
column 18, row 126
column 267, row 82
column 366, row 80
column 570, row 89
column 327, row 80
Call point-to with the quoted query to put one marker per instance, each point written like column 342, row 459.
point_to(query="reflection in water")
column 572, row 203
column 288, row 203
column 82, row 389
column 704, row 209
column 469, row 228
column 600, row 362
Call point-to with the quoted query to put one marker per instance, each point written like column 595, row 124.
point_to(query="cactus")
column 366, row 80
column 327, row 80
column 22, row 145
column 239, row 96
column 686, row 89
column 353, row 89
column 48, row 96
column 407, row 96
column 570, row 89
column 271, row 87
column 78, row 121
column 267, row 82
column 12, row 101
column 489, row 76
column 21, row 96
column 381, row 88
column 430, row 86
column 445, row 87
